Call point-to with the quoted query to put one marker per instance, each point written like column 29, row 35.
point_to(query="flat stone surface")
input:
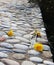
column 3, row 55
column 2, row 63
column 40, row 64
column 48, row 62
column 25, row 43
column 20, row 46
column 36, row 59
column 7, row 45
column 13, row 40
column 27, row 63
column 22, row 39
column 22, row 32
column 28, row 36
column 5, row 50
column 49, row 54
column 19, row 51
column 10, row 62
column 6, row 36
column 2, row 39
column 23, row 19
column 42, row 40
column 46, row 47
column 33, row 52
column 19, row 56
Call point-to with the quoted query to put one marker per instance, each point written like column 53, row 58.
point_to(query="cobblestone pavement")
column 18, row 49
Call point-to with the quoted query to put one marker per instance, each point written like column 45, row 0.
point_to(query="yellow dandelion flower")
column 38, row 46
column 10, row 33
column 37, row 33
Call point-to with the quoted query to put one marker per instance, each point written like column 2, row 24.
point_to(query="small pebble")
column 46, row 48
column 2, row 39
column 7, row 45
column 20, row 46
column 12, row 41
column 2, row 63
column 27, row 63
column 19, row 51
column 3, row 55
column 33, row 52
column 49, row 54
column 36, row 59
column 19, row 56
column 48, row 62
column 22, row 39
column 10, row 62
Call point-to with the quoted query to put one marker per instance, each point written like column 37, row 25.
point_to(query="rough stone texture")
column 19, row 56
column 49, row 55
column 10, row 62
column 27, row 63
column 3, row 55
column 36, row 59
column 2, row 63
column 23, row 19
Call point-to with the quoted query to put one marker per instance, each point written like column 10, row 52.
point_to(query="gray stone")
column 18, row 34
column 22, row 39
column 42, row 40
column 5, row 50
column 13, row 27
column 23, row 20
column 48, row 62
column 2, row 33
column 22, row 32
column 27, row 63
column 12, row 40
column 5, row 25
column 10, row 62
column 2, row 63
column 20, row 23
column 43, row 29
column 33, row 52
column 19, row 51
column 21, row 28
column 5, row 19
column 7, row 45
column 2, row 39
column 28, row 36
column 8, row 14
column 32, row 32
column 20, row 46
column 24, row 43
column 6, row 36
column 6, row 29
column 27, row 25
column 36, row 59
column 3, row 55
column 33, row 41
column 43, row 34
column 46, row 47
column 19, row 56
column 1, row 28
column 47, row 54
column 40, row 64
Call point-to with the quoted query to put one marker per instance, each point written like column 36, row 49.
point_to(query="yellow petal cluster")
column 37, row 33
column 38, row 46
column 10, row 33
